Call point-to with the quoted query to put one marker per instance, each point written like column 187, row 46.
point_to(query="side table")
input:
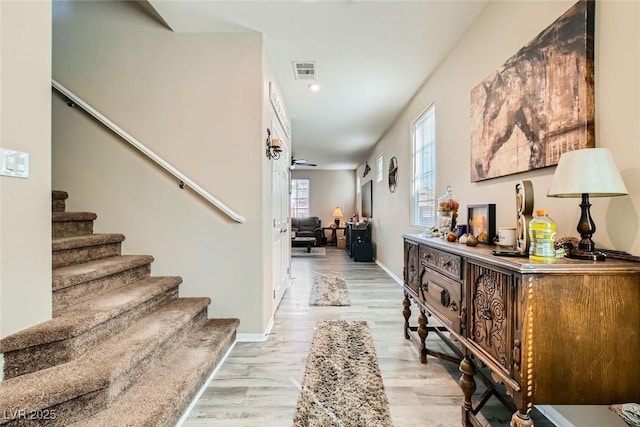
column 334, row 235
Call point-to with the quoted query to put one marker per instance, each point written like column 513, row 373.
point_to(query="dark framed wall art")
column 540, row 103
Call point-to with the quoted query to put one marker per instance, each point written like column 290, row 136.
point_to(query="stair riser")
column 58, row 201
column 58, row 205
column 173, row 414
column 67, row 297
column 68, row 257
column 176, row 379
column 71, row 228
column 120, row 384
column 23, row 361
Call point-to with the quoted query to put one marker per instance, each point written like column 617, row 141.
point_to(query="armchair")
column 308, row 227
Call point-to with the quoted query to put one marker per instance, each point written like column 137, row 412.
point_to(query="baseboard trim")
column 581, row 415
column 397, row 279
column 256, row 337
column 554, row 416
column 205, row 385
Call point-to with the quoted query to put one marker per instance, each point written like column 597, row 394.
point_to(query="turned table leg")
column 406, row 312
column 422, row 333
column 468, row 386
column 521, row 419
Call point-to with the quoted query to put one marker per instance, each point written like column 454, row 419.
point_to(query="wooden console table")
column 566, row 333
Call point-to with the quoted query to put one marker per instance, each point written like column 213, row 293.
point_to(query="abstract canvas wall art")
column 540, row 103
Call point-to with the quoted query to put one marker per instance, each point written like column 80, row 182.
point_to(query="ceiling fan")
column 300, row 162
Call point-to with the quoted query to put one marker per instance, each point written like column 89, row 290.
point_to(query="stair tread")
column 76, row 320
column 96, row 368
column 57, row 194
column 71, row 275
column 73, row 242
column 73, row 216
column 172, row 383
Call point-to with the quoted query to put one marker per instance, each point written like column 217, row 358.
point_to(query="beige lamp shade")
column 337, row 213
column 589, row 171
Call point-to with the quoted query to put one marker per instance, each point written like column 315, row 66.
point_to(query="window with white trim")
column 380, row 170
column 299, row 198
column 423, row 200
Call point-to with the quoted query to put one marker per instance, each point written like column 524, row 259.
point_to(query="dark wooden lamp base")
column 586, row 228
column 591, row 256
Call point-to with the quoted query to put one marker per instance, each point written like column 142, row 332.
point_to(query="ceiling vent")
column 304, row 70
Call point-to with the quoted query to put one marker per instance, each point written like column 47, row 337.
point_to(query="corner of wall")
column 25, row 205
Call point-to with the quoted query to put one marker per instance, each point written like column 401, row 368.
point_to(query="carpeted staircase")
column 122, row 348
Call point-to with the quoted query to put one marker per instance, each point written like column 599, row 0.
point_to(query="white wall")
column 25, row 204
column 328, row 189
column 500, row 30
column 194, row 99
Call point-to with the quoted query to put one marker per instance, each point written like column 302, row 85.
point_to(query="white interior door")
column 281, row 249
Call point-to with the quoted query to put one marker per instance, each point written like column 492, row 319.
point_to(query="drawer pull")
column 445, row 296
column 454, row 306
column 485, row 313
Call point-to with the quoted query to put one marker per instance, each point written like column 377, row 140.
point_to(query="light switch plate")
column 14, row 163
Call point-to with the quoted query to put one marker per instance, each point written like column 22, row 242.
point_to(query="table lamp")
column 337, row 214
column 583, row 173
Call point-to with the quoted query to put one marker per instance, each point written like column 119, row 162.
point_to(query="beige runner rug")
column 342, row 384
column 329, row 290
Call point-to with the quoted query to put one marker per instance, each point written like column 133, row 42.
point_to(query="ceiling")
column 370, row 56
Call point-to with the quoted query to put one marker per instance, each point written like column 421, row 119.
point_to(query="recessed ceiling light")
column 314, row 87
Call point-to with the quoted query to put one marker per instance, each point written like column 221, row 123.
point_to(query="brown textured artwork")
column 540, row 103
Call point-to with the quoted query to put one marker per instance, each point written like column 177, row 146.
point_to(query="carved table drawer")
column 444, row 262
column 444, row 297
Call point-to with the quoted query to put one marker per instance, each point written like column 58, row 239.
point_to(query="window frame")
column 380, row 167
column 426, row 170
column 294, row 207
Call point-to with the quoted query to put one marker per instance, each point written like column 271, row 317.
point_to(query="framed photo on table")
column 481, row 222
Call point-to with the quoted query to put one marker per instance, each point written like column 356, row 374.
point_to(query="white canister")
column 506, row 236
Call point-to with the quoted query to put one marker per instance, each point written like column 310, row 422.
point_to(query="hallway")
column 258, row 384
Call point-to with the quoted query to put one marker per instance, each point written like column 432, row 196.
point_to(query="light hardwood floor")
column 259, row 383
